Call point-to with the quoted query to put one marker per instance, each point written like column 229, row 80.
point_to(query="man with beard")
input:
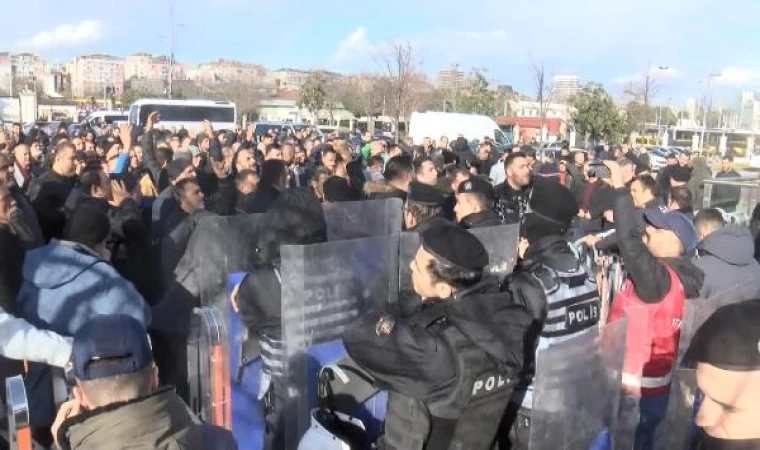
column 48, row 192
column 512, row 195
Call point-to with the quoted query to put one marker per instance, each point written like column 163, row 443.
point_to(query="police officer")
column 554, row 285
column 475, row 199
column 295, row 218
column 451, row 365
column 423, row 203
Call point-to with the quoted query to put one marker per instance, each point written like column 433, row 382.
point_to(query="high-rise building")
column 92, row 74
column 227, row 70
column 6, row 71
column 451, row 78
column 565, row 87
column 691, row 109
column 28, row 65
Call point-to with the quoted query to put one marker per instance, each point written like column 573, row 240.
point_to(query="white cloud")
column 355, row 46
column 738, row 76
column 660, row 73
column 65, row 35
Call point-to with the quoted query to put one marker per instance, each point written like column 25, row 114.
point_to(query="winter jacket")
column 511, row 204
column 48, row 194
column 725, row 197
column 378, row 190
column 726, row 256
column 700, row 172
column 25, row 224
column 481, row 219
column 650, row 276
column 65, row 284
column 159, row 421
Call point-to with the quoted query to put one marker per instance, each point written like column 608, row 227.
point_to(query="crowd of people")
column 94, row 225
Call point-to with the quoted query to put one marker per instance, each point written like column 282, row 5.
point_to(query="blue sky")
column 609, row 41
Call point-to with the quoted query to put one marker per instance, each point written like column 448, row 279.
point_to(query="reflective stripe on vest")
column 572, row 305
column 652, row 336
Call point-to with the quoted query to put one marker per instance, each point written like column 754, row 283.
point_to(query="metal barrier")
column 19, row 431
column 735, row 197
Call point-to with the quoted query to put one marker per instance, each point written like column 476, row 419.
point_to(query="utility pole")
column 704, row 107
column 171, row 44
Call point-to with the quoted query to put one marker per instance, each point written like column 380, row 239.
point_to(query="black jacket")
column 260, row 201
column 481, row 219
column 415, row 361
column 511, row 204
column 649, row 275
column 25, row 224
column 48, row 195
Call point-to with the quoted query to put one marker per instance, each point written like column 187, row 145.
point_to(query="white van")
column 471, row 126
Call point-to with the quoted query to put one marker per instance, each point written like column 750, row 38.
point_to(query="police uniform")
column 480, row 219
column 552, row 281
column 451, row 366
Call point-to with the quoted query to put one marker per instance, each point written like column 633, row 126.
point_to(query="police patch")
column 489, row 383
column 582, row 316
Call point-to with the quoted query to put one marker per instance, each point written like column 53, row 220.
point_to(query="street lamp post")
column 704, row 107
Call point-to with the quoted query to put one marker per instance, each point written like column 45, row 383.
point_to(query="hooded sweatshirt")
column 726, row 256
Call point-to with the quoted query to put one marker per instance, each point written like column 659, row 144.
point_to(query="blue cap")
column 663, row 218
column 119, row 338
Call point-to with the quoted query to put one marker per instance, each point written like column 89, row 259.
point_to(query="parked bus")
column 188, row 114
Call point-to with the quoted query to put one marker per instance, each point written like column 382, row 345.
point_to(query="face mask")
column 707, row 442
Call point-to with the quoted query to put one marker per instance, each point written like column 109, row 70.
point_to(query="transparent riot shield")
column 325, row 288
column 577, row 389
column 363, row 219
column 501, row 244
column 19, row 431
column 218, row 246
column 208, row 366
column 677, row 430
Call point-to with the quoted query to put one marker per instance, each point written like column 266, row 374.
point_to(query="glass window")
column 188, row 113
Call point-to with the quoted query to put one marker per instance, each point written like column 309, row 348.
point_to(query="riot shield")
column 577, row 389
column 677, row 430
column 208, row 366
column 363, row 219
column 500, row 243
column 19, row 431
column 218, row 246
column 325, row 288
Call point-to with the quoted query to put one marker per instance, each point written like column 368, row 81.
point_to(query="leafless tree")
column 544, row 91
column 643, row 91
column 398, row 65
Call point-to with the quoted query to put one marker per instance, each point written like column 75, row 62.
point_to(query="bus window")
column 188, row 113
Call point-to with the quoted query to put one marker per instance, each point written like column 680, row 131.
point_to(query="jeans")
column 652, row 409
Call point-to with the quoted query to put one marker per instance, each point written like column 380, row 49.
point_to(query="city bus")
column 188, row 114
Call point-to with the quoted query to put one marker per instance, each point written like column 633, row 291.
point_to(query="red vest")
column 652, row 336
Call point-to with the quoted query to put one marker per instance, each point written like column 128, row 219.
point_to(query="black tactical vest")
column 467, row 419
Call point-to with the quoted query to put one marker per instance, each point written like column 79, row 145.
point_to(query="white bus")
column 188, row 114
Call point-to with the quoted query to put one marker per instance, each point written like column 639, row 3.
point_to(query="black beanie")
column 553, row 207
column 88, row 226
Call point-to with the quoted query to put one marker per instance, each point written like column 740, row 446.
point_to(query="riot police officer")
column 295, row 218
column 450, row 367
column 554, row 285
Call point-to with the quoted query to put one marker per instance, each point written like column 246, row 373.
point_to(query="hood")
column 690, row 275
column 731, row 244
column 377, row 187
column 552, row 251
column 57, row 263
column 491, row 323
column 162, row 418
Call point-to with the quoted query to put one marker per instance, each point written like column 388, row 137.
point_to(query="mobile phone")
column 598, row 170
column 121, row 163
